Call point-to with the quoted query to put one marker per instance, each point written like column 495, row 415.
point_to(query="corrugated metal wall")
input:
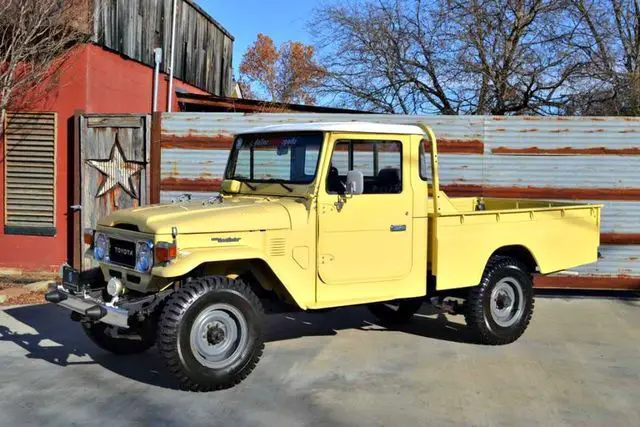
column 559, row 158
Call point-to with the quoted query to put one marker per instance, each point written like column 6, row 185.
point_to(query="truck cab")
column 316, row 216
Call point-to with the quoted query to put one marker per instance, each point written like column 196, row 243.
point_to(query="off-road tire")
column 182, row 311
column 478, row 312
column 97, row 332
column 395, row 312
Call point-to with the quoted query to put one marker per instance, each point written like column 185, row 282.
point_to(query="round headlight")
column 100, row 247
column 144, row 256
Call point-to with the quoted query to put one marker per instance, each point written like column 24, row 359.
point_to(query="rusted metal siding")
column 589, row 159
column 185, row 134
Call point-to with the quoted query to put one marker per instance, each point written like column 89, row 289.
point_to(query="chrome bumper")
column 92, row 310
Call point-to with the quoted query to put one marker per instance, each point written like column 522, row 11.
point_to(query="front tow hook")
column 55, row 297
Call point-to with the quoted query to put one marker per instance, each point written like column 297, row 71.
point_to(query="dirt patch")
column 14, row 292
column 25, row 298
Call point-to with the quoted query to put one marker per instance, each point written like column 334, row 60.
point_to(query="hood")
column 233, row 214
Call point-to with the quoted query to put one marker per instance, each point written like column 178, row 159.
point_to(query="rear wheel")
column 499, row 310
column 395, row 312
column 120, row 341
column 211, row 333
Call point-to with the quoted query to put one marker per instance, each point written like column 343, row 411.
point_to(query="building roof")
column 195, row 103
column 350, row 127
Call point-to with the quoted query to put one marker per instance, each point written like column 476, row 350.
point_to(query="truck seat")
column 388, row 181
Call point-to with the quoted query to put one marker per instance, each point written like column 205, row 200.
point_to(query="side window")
column 425, row 160
column 379, row 161
column 311, row 160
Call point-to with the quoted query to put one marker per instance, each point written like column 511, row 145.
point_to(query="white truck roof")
column 347, row 127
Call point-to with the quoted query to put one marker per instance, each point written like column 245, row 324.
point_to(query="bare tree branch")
column 35, row 35
column 609, row 41
column 448, row 56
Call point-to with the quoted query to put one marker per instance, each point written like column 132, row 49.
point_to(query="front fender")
column 189, row 259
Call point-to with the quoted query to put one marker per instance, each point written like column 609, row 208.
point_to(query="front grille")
column 122, row 252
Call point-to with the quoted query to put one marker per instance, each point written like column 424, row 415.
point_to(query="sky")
column 282, row 20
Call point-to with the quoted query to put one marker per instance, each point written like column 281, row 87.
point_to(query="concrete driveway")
column 578, row 364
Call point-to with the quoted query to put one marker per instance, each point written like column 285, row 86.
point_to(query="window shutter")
column 30, row 140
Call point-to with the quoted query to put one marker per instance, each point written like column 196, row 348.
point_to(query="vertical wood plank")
column 155, row 154
column 76, row 231
column 135, row 28
column 97, row 142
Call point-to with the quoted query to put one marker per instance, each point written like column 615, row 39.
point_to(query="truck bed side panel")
column 557, row 238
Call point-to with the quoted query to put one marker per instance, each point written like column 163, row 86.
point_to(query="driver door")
column 365, row 240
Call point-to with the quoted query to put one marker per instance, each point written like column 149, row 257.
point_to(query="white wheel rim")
column 219, row 335
column 507, row 302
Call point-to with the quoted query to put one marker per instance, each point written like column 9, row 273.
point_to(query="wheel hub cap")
column 507, row 302
column 215, row 334
column 218, row 335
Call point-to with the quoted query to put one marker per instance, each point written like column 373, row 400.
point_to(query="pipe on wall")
column 172, row 59
column 156, row 76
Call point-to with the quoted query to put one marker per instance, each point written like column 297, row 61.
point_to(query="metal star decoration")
column 117, row 171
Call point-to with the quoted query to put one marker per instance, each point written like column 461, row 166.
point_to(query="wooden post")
column 156, row 154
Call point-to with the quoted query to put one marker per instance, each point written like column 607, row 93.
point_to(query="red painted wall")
column 93, row 80
column 118, row 85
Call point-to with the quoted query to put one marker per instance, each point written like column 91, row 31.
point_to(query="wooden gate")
column 111, row 170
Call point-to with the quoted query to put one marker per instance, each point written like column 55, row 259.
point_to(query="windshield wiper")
column 245, row 182
column 285, row 186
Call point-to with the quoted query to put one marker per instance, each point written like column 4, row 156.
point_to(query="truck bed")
column 471, row 204
column 468, row 230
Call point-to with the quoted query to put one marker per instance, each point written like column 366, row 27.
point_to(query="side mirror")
column 355, row 182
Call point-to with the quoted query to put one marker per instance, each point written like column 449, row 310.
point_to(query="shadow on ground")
column 70, row 343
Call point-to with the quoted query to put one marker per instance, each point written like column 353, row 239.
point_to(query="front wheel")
column 211, row 333
column 499, row 310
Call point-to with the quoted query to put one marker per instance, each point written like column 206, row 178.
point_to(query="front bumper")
column 89, row 308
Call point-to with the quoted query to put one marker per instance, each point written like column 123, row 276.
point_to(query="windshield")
column 272, row 157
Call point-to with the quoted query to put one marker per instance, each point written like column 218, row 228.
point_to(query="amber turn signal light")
column 165, row 251
column 88, row 236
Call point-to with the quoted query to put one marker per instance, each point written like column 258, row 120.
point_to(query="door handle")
column 398, row 227
column 75, row 207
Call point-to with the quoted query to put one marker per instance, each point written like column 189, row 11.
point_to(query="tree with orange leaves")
column 288, row 74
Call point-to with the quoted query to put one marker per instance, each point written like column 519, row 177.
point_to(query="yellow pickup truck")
column 314, row 216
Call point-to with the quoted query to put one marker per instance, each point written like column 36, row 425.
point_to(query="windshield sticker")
column 285, row 142
column 289, row 142
column 261, row 142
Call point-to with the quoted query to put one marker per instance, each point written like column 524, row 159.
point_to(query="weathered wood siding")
column 114, row 154
column 135, row 28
